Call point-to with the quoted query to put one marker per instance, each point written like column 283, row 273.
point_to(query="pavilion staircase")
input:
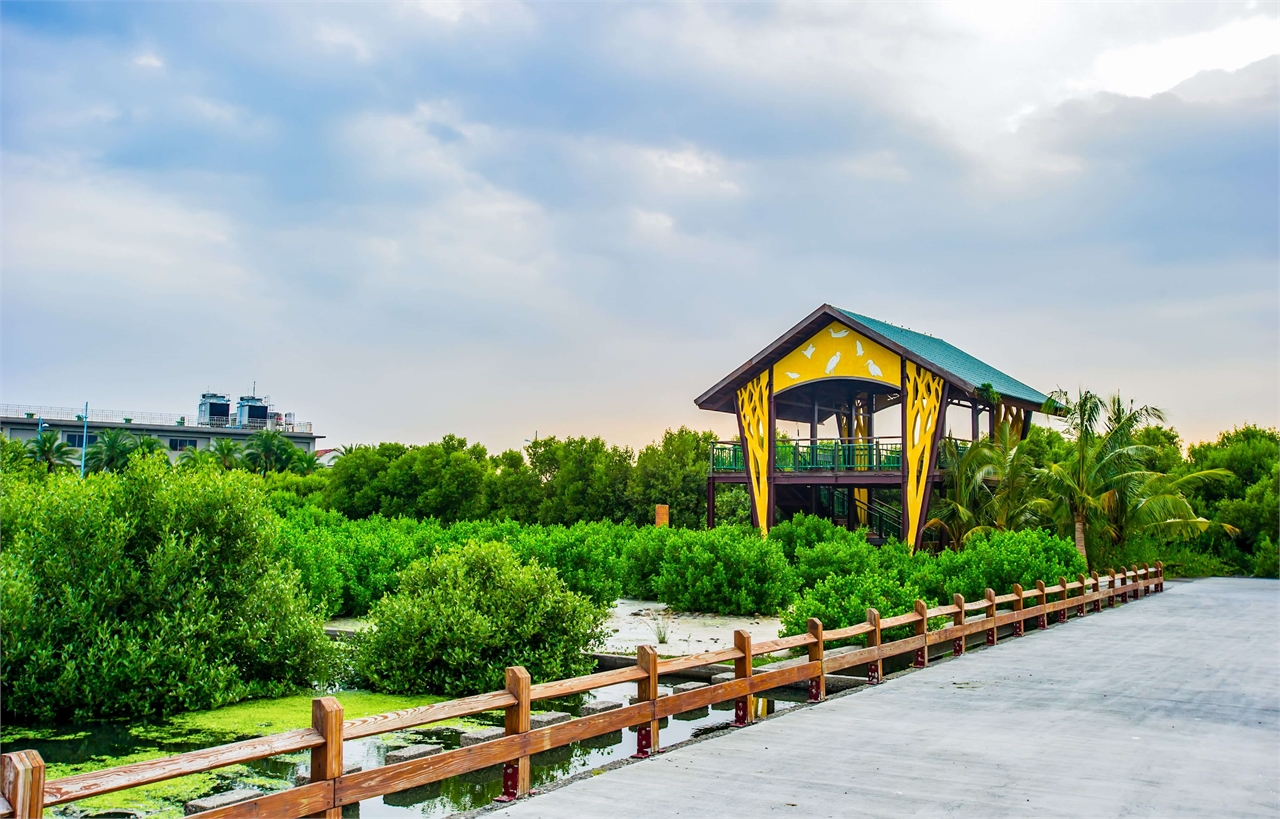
column 883, row 520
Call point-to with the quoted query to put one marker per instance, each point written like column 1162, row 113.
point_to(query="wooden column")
column 326, row 761
column 1042, row 621
column 875, row 668
column 1084, row 591
column 992, row 637
column 1111, row 598
column 922, row 630
column 743, row 712
column 1160, row 575
column 1062, row 612
column 22, row 781
column 1018, row 624
column 1097, row 587
column 818, row 684
column 974, row 413
column 647, row 690
column 515, row 775
column 711, row 502
column 957, row 619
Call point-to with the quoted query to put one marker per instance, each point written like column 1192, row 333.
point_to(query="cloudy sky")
column 403, row 220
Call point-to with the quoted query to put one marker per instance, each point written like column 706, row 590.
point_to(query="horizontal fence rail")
column 26, row 794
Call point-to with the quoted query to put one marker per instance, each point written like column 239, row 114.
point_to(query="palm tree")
column 192, row 458
column 964, row 491
column 47, row 448
column 110, row 453
column 1103, row 456
column 268, row 451
column 147, row 444
column 227, row 452
column 305, row 463
column 1011, row 501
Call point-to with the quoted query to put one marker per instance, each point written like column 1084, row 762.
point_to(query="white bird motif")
column 808, row 352
column 859, row 343
column 793, row 376
column 873, row 369
column 831, row 365
column 840, row 334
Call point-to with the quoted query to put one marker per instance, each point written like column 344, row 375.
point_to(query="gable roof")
column 958, row 367
column 952, row 359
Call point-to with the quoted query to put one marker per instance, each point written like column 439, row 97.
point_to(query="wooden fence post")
column 1111, row 598
column 991, row 615
column 875, row 668
column 1097, row 587
column 661, row 515
column 1159, row 575
column 1062, row 612
column 818, row 684
column 22, row 781
column 957, row 619
column 326, row 761
column 743, row 710
column 1042, row 621
column 1017, row 607
column 647, row 690
column 1084, row 592
column 922, row 629
column 515, row 774
column 1146, row 580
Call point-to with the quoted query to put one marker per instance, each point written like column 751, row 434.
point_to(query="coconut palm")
column 110, row 453
column 47, row 448
column 268, row 451
column 304, row 463
column 965, row 492
column 1077, row 491
column 1011, row 505
column 227, row 452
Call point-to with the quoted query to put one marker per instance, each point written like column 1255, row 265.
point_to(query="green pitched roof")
column 952, row 359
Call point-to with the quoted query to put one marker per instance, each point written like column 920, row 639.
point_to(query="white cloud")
column 337, row 37
column 653, row 223
column 876, row 165
column 1149, row 68
column 148, row 61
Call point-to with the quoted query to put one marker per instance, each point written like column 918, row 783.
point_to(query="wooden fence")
column 26, row 794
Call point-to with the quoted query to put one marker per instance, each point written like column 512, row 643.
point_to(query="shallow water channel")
column 437, row 799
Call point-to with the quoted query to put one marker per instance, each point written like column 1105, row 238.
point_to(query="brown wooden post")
column 818, row 684
column 1146, row 580
column 743, row 711
column 1159, row 575
column 326, row 761
column 22, row 782
column 991, row 615
column 1097, row 587
column 647, row 690
column 515, row 775
column 1017, row 607
column 957, row 619
column 1111, row 598
column 1062, row 612
column 875, row 668
column 711, row 502
column 922, row 630
column 1043, row 620
column 1084, row 591
column 661, row 515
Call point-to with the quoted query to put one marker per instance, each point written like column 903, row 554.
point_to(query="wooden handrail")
column 96, row 783
column 330, row 790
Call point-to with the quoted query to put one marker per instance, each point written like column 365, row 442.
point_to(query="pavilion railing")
column 25, row 793
column 882, row 454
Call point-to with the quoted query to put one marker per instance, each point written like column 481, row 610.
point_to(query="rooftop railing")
column 882, row 454
column 126, row 418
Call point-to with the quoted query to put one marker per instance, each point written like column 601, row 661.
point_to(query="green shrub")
column 849, row 553
column 586, row 556
column 804, row 531
column 1266, row 559
column 727, row 570
column 843, row 599
column 997, row 560
column 1186, row 562
column 147, row 592
column 642, row 559
column 466, row 614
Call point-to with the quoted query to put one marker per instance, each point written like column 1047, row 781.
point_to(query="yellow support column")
column 753, row 426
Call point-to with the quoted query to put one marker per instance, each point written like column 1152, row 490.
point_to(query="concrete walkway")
column 1169, row 706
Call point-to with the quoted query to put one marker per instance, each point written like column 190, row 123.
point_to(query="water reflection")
column 437, row 799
